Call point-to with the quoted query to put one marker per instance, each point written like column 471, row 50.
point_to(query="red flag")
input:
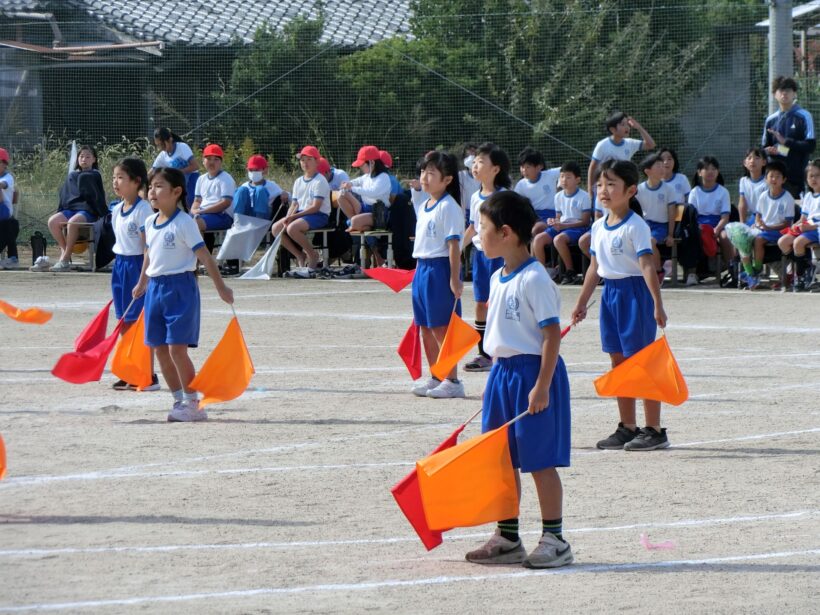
column 396, row 279
column 86, row 366
column 408, row 497
column 94, row 331
column 3, row 459
column 410, row 350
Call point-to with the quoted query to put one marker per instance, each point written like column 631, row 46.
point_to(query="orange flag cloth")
column 460, row 337
column 2, row 458
column 227, row 371
column 651, row 373
column 31, row 316
column 132, row 358
column 469, row 484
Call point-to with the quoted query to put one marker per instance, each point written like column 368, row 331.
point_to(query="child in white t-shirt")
column 539, row 185
column 657, row 199
column 9, row 226
column 618, row 145
column 212, row 208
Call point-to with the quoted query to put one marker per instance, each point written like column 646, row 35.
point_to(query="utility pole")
column 781, row 45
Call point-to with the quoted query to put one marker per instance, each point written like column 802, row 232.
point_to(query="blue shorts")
column 627, row 317
column 659, row 230
column 812, row 236
column 172, row 310
column 537, row 441
column 433, row 299
column 770, row 236
column 216, row 222
column 712, row 220
column 545, row 214
column 124, row 277
column 483, row 269
column 573, row 234
column 315, row 220
column 751, row 219
column 68, row 214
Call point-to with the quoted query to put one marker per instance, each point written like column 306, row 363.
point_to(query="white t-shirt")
column 541, row 192
column 810, row 207
column 127, row 227
column 171, row 244
column 305, row 191
column 475, row 217
column 714, row 202
column 177, row 159
column 617, row 248
column 373, row 189
column 776, row 211
column 468, row 185
column 418, row 198
column 337, row 178
column 751, row 191
column 437, row 222
column 571, row 207
column 213, row 189
column 681, row 187
column 607, row 149
column 655, row 202
column 7, row 193
column 520, row 305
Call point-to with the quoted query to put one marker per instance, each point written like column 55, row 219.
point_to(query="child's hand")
column 346, row 186
column 579, row 313
column 414, row 184
column 457, row 286
column 225, row 293
column 551, row 222
column 139, row 289
column 660, row 317
column 557, row 226
column 539, row 399
column 669, row 241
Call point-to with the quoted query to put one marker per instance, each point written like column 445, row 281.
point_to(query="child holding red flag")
column 437, row 285
column 524, row 336
column 173, row 245
column 631, row 305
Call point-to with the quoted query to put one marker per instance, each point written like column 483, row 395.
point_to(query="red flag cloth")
column 87, row 366
column 3, row 459
column 94, row 331
column 408, row 497
column 31, row 316
column 410, row 350
column 396, row 279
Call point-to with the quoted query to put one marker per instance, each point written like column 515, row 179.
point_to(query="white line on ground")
column 396, row 583
column 36, row 552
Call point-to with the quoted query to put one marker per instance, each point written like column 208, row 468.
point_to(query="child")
column 672, row 175
column 795, row 247
column 310, row 209
column 538, row 185
column 172, row 246
column 359, row 196
column 524, row 335
column 176, row 154
column 468, row 183
column 82, row 201
column 617, row 146
column 437, row 284
column 335, row 177
column 573, row 215
column 585, row 240
column 631, row 305
column 259, row 197
column 127, row 218
column 657, row 200
column 711, row 200
column 9, row 226
column 212, row 208
column 491, row 167
column 775, row 212
column 752, row 184
column 395, row 184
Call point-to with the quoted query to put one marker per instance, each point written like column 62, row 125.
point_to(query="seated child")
column 9, row 226
column 795, row 246
column 657, row 199
column 538, row 185
column 212, row 208
column 258, row 196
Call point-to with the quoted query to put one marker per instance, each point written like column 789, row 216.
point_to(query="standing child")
column 795, row 247
column 172, row 246
column 631, row 305
column 657, row 199
column 128, row 217
column 437, row 284
column 524, row 336
column 9, row 226
column 711, row 200
column 539, row 185
column 491, row 167
column 176, row 154
column 752, row 185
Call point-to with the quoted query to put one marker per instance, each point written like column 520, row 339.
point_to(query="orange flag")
column 469, row 484
column 132, row 358
column 2, row 458
column 459, row 339
column 32, row 316
column 651, row 373
column 227, row 371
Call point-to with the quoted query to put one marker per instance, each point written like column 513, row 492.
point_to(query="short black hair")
column 784, row 83
column 571, row 167
column 776, row 165
column 530, row 155
column 614, row 118
column 507, row 207
column 500, row 159
column 650, row 160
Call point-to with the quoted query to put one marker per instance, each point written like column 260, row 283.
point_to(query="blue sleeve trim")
column 595, row 159
column 142, row 229
column 227, row 196
column 642, row 252
column 592, row 252
column 449, row 237
column 549, row 321
column 197, row 246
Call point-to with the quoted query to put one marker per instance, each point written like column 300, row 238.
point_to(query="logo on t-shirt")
column 617, row 246
column 431, row 228
column 132, row 229
column 513, row 311
column 169, row 240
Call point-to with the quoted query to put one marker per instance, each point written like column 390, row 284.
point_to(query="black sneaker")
column 648, row 439
column 120, row 385
column 154, row 386
column 569, row 278
column 616, row 441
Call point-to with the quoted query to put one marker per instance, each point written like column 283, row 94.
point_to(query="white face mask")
column 255, row 176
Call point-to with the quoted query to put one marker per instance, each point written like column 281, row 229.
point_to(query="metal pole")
column 781, row 46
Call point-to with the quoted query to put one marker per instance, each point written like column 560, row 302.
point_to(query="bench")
column 87, row 236
column 378, row 234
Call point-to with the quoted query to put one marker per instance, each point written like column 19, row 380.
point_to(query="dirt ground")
column 281, row 502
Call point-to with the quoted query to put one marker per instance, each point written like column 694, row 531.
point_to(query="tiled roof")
column 12, row 6
column 207, row 23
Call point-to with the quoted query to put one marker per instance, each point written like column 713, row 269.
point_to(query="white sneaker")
column 41, row 264
column 551, row 552
column 667, row 269
column 420, row 389
column 9, row 263
column 691, row 280
column 447, row 390
column 187, row 412
column 61, row 266
column 498, row 550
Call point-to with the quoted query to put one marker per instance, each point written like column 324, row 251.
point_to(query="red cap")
column 324, row 166
column 386, row 158
column 309, row 150
column 257, row 163
column 366, row 153
column 213, row 150
column 4, row 155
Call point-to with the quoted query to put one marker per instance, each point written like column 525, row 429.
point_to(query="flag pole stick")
column 477, row 412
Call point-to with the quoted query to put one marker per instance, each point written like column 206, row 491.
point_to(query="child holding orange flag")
column 524, row 336
column 631, row 305
column 173, row 245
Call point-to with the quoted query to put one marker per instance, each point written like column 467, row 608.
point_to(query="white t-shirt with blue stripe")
column 714, row 202
column 571, row 207
column 214, row 189
column 607, row 149
column 655, row 202
column 438, row 222
column 127, row 227
column 171, row 245
column 617, row 247
column 541, row 192
column 751, row 191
